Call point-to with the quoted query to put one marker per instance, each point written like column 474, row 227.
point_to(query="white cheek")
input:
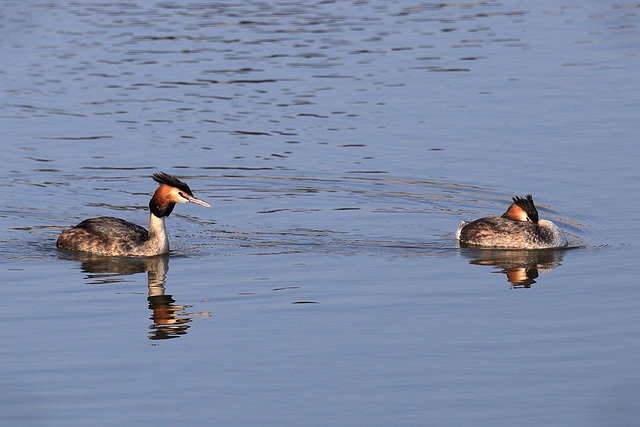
column 178, row 198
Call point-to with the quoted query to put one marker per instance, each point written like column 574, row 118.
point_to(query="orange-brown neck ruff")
column 522, row 209
column 516, row 213
column 161, row 204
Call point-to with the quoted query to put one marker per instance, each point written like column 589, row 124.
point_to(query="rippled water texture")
column 341, row 144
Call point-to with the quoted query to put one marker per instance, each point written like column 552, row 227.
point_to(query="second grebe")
column 115, row 236
column 518, row 228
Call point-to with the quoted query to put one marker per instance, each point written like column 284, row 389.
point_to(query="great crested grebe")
column 518, row 228
column 114, row 236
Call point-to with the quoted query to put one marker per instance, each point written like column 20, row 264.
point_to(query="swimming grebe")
column 114, row 236
column 518, row 228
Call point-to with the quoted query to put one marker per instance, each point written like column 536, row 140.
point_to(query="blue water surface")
column 341, row 144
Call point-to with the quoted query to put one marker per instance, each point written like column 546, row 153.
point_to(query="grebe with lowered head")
column 114, row 236
column 518, row 228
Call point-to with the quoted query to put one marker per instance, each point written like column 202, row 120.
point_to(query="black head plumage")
column 157, row 206
column 172, row 181
column 528, row 206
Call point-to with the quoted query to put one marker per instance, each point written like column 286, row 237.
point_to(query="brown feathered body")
column 518, row 228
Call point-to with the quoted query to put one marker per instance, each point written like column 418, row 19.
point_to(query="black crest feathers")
column 527, row 205
column 172, row 181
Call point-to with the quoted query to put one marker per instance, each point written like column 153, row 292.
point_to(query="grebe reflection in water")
column 521, row 267
column 117, row 237
column 518, row 228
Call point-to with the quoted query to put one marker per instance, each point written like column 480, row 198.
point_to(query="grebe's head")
column 522, row 209
column 170, row 192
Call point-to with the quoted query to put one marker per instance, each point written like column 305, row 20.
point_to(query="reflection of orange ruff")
column 521, row 267
column 519, row 227
column 115, row 236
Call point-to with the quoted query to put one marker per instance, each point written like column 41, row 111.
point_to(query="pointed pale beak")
column 198, row 202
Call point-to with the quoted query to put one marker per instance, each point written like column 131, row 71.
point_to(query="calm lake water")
column 340, row 144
